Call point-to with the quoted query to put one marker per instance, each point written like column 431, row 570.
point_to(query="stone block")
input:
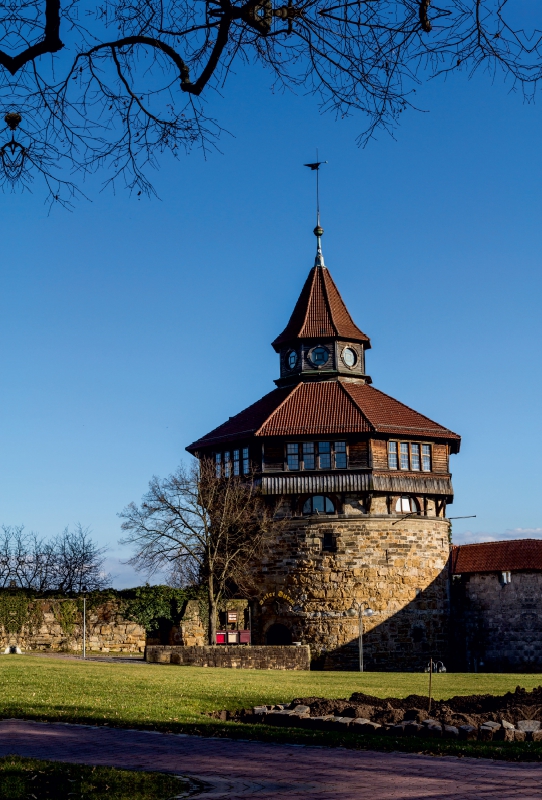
column 528, row 725
column 536, row 736
column 485, row 733
column 468, row 732
column 413, row 728
column 507, row 725
column 450, row 732
column 519, row 736
column 370, row 727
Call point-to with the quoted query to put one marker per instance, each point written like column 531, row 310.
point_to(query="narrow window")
column 218, row 465
column 292, row 456
column 415, row 457
column 227, row 465
column 246, row 463
column 324, row 455
column 328, row 543
column 308, row 455
column 426, row 457
column 404, row 455
column 340, row 455
column 236, row 462
column 392, row 455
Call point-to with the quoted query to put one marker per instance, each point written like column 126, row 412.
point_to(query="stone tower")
column 364, row 481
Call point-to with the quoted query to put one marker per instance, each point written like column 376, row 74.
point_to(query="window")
column 349, row 357
column 227, row 465
column 308, row 455
column 328, row 543
column 236, row 462
column 324, row 455
column 292, row 456
column 318, row 504
column 406, row 505
column 292, row 359
column 409, row 455
column 426, row 457
column 246, row 462
column 340, row 455
column 319, row 356
column 316, row 455
column 392, row 455
column 218, row 465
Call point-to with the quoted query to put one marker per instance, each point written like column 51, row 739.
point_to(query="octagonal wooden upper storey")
column 343, row 430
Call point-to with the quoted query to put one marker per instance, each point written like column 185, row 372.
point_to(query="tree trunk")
column 212, row 612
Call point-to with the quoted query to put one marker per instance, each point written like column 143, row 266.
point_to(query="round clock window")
column 319, row 356
column 349, row 357
column 292, row 359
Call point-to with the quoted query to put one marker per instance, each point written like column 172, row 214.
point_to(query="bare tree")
column 79, row 561
column 65, row 563
column 117, row 84
column 211, row 529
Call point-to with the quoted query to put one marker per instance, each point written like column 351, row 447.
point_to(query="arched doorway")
column 278, row 634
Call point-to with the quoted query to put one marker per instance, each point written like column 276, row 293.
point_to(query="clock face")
column 349, row 356
column 292, row 359
column 319, row 356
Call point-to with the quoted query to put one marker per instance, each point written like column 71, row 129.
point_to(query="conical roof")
column 320, row 312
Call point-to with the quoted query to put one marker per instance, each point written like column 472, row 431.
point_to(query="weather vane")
column 318, row 231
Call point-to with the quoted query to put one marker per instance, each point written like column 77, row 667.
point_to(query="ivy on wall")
column 145, row 605
column 18, row 611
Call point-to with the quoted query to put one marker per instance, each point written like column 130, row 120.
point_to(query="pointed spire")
column 319, row 232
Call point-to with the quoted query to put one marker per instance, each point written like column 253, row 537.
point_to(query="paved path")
column 239, row 769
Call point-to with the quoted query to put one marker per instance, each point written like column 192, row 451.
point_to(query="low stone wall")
column 234, row 656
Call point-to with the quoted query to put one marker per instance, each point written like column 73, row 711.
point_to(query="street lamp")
column 84, row 621
column 361, row 612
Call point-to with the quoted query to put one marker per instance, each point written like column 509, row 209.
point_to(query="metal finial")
column 318, row 231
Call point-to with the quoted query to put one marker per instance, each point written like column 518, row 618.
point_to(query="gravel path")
column 240, row 769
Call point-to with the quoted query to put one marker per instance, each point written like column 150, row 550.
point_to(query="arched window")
column 319, row 504
column 406, row 505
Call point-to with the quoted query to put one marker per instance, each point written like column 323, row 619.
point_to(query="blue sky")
column 130, row 327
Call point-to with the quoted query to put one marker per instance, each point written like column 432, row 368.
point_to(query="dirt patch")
column 460, row 710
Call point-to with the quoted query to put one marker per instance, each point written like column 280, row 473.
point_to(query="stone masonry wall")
column 107, row 630
column 235, row 657
column 398, row 570
column 497, row 627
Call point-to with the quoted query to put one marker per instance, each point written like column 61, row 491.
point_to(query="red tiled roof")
column 320, row 312
column 388, row 415
column 324, row 408
column 315, row 409
column 519, row 554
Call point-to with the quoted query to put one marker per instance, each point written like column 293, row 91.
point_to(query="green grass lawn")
column 176, row 699
column 24, row 778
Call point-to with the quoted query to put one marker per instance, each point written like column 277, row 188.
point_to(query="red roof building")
column 518, row 555
column 325, row 427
